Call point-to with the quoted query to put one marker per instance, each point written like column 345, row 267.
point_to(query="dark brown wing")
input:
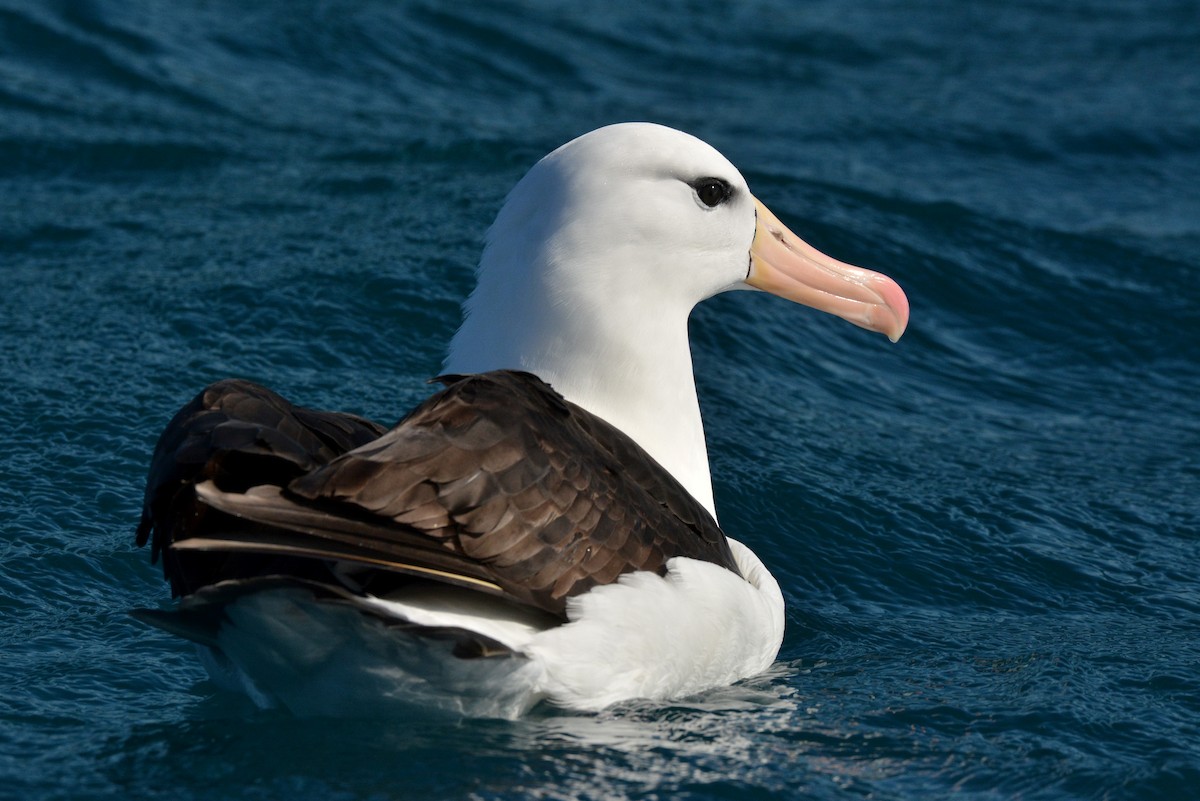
column 238, row 434
column 495, row 482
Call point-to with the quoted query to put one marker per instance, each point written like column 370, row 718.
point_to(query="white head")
column 607, row 228
column 598, row 257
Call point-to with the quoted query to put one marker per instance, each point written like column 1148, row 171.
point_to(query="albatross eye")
column 712, row 191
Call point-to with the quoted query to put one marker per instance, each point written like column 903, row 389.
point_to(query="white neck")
column 627, row 360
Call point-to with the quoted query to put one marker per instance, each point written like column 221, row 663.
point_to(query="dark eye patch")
column 712, row 191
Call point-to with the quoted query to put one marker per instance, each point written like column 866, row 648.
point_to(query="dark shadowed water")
column 988, row 535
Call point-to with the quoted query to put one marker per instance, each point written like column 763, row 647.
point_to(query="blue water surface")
column 988, row 535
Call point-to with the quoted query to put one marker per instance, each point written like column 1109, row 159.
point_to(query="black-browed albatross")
column 542, row 528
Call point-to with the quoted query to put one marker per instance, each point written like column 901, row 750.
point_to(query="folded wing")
column 495, row 483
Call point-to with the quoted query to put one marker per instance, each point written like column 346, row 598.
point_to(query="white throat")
column 627, row 361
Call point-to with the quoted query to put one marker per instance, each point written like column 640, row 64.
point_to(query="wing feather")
column 496, row 479
column 237, row 433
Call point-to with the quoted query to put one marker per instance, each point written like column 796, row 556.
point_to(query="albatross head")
column 599, row 255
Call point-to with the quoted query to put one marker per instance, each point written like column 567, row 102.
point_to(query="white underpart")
column 645, row 636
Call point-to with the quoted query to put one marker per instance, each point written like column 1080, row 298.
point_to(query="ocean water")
column 988, row 534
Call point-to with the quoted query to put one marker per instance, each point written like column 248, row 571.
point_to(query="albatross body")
column 543, row 527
